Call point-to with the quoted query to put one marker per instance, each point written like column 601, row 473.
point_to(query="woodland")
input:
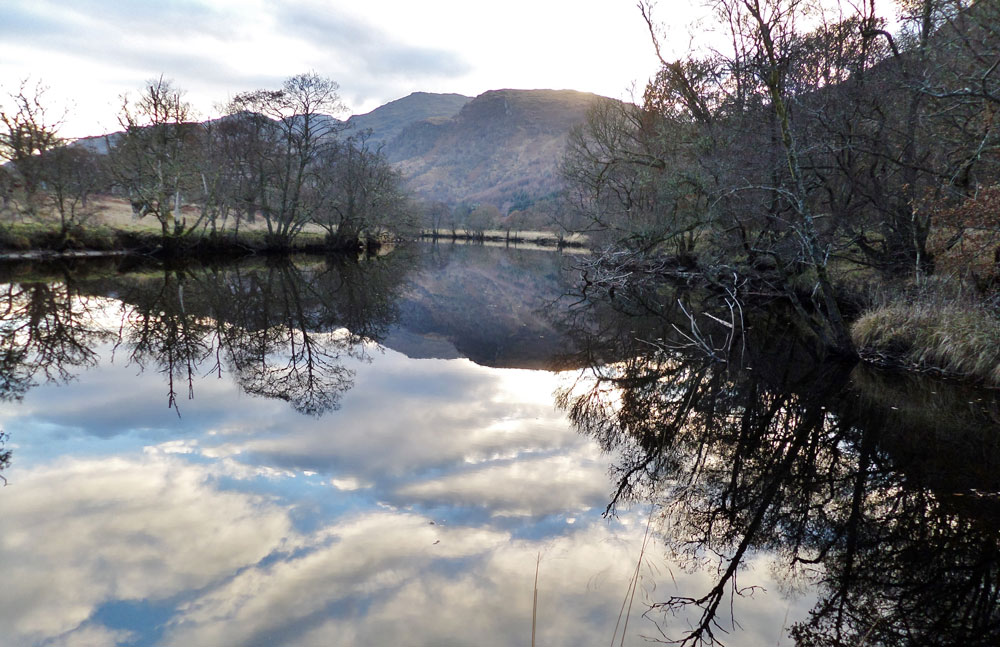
column 841, row 156
column 276, row 156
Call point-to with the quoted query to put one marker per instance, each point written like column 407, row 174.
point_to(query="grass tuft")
column 954, row 337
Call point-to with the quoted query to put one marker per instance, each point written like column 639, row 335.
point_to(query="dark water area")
column 320, row 451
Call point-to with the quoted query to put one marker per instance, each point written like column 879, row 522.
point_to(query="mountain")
column 388, row 121
column 502, row 147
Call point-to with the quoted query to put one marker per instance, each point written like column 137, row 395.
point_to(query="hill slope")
column 388, row 121
column 503, row 146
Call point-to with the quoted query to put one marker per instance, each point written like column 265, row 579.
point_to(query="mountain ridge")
column 388, row 120
column 502, row 147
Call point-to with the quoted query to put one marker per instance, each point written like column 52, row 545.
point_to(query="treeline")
column 441, row 219
column 275, row 155
column 818, row 140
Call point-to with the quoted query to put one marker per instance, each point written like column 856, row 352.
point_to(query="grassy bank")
column 934, row 332
column 110, row 227
column 26, row 239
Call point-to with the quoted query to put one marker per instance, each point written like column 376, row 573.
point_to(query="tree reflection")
column 5, row 455
column 47, row 331
column 161, row 329
column 878, row 510
column 282, row 330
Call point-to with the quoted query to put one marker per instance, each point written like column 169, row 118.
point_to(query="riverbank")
column 941, row 326
column 540, row 238
column 46, row 240
column 956, row 338
column 39, row 241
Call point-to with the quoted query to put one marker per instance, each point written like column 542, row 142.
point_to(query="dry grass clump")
column 958, row 338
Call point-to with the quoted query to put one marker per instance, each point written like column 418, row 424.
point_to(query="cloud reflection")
column 83, row 533
column 203, row 516
column 78, row 533
column 571, row 484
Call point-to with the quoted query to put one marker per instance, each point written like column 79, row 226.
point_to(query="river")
column 395, row 450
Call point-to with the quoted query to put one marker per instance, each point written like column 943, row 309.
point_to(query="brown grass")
column 117, row 213
column 952, row 336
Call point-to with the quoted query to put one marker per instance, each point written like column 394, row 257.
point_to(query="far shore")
column 540, row 238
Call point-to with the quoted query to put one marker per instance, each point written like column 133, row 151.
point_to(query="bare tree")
column 357, row 191
column 287, row 131
column 71, row 174
column 153, row 159
column 28, row 131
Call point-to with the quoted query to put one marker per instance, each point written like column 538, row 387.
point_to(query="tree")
column 765, row 33
column 357, row 192
column 153, row 159
column 71, row 174
column 620, row 185
column 436, row 215
column 791, row 148
column 287, row 131
column 28, row 132
column 483, row 217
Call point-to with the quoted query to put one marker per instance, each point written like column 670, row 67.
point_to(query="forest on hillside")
column 843, row 156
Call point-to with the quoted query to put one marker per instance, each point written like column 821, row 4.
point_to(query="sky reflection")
column 412, row 515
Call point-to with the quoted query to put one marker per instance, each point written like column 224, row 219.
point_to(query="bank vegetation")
column 275, row 166
column 840, row 158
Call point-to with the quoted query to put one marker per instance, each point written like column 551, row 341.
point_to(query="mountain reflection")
column 883, row 505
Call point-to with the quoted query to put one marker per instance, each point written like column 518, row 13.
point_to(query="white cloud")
column 91, row 52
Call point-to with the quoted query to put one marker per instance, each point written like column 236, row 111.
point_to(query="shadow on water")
column 876, row 492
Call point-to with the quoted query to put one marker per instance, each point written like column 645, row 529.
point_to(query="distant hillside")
column 97, row 143
column 385, row 121
column 503, row 146
column 388, row 121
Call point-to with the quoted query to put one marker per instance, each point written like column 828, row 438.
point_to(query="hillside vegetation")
column 388, row 121
column 826, row 157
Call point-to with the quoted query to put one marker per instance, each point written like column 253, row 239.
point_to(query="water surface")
column 330, row 452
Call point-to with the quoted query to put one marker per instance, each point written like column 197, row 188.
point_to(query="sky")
column 89, row 52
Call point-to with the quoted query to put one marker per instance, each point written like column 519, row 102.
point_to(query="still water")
column 322, row 452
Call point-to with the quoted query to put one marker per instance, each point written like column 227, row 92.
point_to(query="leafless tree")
column 287, row 129
column 28, row 131
column 153, row 160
